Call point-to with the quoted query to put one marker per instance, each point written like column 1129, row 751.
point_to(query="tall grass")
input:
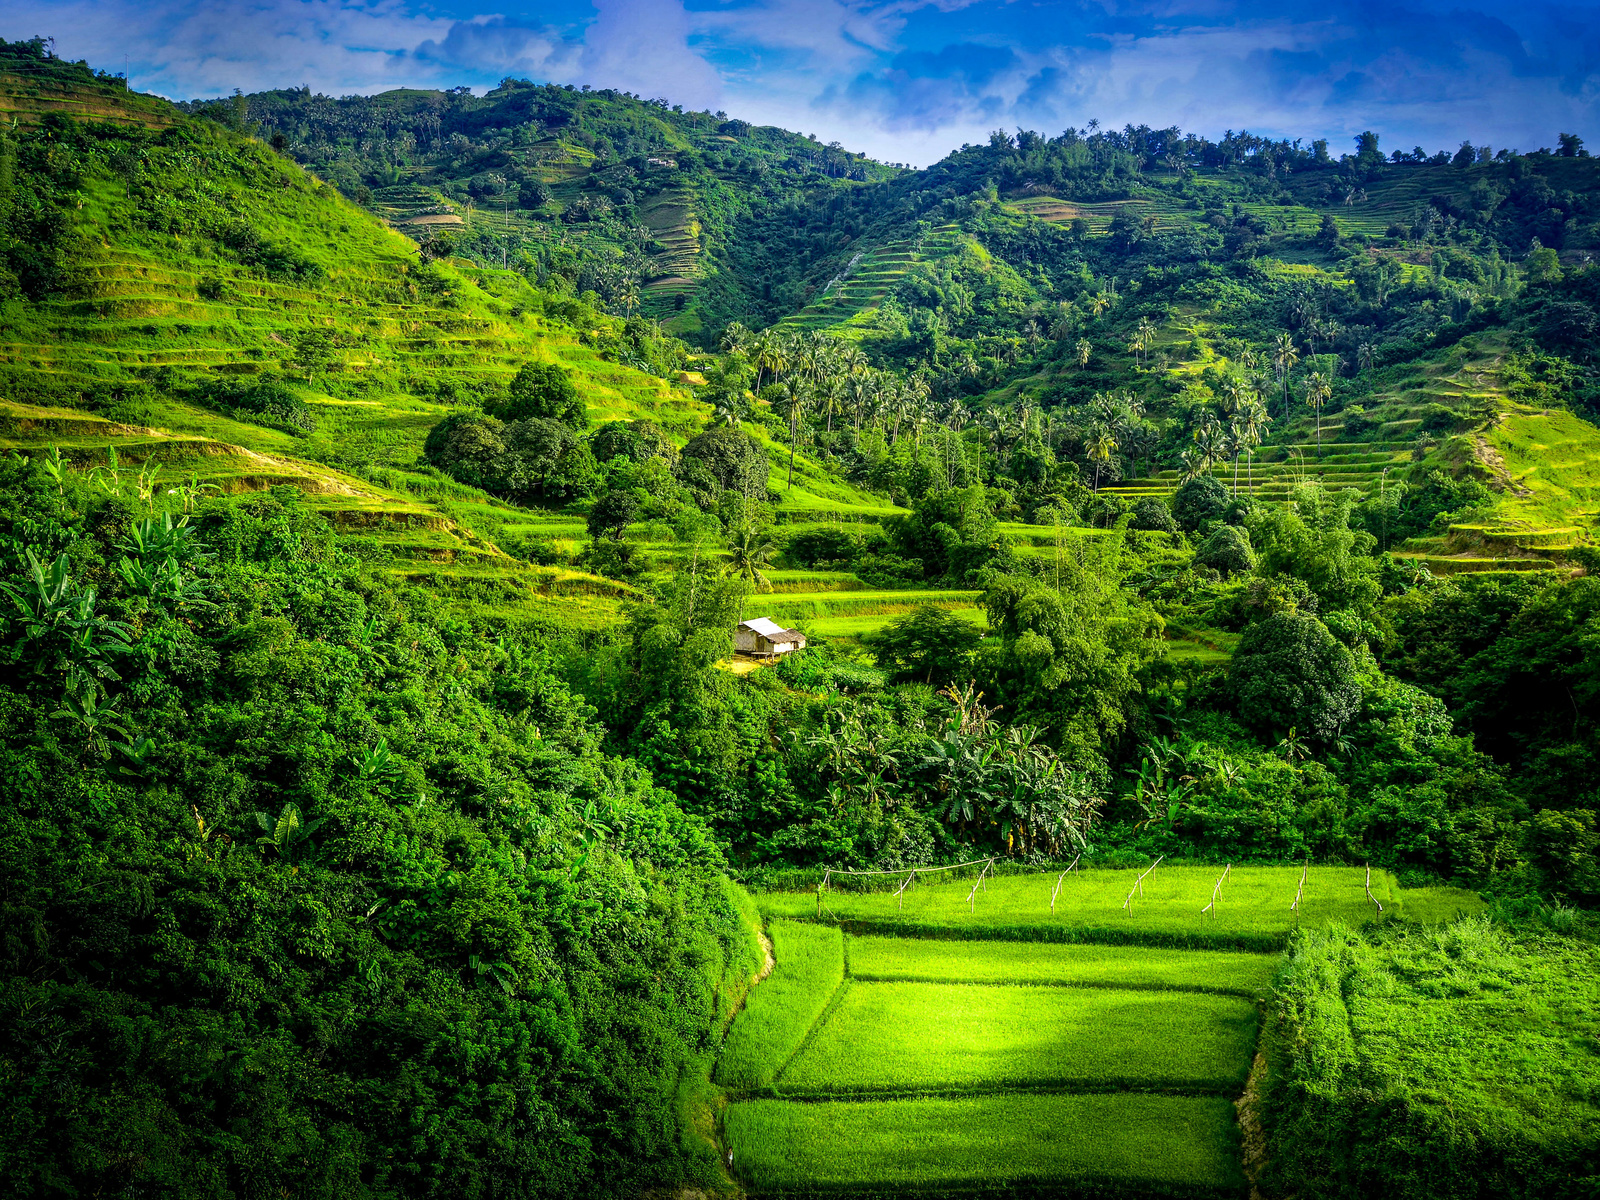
column 782, row 1009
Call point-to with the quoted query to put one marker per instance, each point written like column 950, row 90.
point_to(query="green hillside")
column 1188, row 767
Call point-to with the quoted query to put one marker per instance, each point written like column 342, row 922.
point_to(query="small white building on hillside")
column 761, row 638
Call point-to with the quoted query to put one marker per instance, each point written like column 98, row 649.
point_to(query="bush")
column 723, row 458
column 543, row 391
column 1199, row 502
column 1290, row 672
column 1227, row 550
column 1154, row 515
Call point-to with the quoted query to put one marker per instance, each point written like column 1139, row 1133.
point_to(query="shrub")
column 1289, row 671
column 1199, row 502
column 1227, row 550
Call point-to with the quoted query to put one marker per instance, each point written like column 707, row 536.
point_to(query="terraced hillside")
column 868, row 279
column 171, row 305
column 970, row 1034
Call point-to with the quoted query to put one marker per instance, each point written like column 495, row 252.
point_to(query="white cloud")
column 1430, row 71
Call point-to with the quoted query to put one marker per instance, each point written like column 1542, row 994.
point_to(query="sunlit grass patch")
column 1158, row 1145
column 899, row 1037
column 934, row 960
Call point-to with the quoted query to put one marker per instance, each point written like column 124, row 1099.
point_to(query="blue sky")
column 907, row 80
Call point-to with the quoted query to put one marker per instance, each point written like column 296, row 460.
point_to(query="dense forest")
column 386, row 810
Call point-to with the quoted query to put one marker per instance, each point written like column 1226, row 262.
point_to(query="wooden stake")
column 1059, row 878
column 901, row 889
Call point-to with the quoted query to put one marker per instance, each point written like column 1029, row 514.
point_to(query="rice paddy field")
column 950, row 1041
column 1253, row 909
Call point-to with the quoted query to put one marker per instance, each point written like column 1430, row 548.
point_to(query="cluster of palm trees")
column 807, row 373
column 1235, row 430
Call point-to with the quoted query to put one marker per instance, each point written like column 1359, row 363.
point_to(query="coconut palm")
column 1284, row 357
column 1084, row 349
column 1253, row 422
column 1364, row 356
column 749, row 551
column 1101, row 447
column 1318, row 392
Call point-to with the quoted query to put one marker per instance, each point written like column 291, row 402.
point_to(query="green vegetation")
column 891, row 1037
column 1252, row 911
column 1164, row 1145
column 1471, row 1048
column 784, row 1008
column 881, row 958
column 378, row 765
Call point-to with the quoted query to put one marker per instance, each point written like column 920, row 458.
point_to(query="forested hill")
column 634, row 199
column 382, row 797
column 704, row 219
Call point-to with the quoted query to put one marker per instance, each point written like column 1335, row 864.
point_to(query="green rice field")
column 929, row 961
column 1139, row 1144
column 809, row 970
column 897, row 1037
column 1253, row 909
column 919, row 1045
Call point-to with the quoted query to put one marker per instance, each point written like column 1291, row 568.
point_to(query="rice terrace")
column 559, row 642
column 1087, row 1031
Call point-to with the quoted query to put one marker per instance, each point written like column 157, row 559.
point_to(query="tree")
column 1101, row 447
column 1153, row 514
column 749, row 550
column 1199, row 502
column 542, row 390
column 723, row 458
column 1284, row 358
column 1084, row 349
column 1543, row 264
column 1227, row 550
column 1290, row 671
column 929, row 645
column 613, row 513
column 1318, row 392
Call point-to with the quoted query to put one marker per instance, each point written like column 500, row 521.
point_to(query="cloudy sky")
column 906, row 80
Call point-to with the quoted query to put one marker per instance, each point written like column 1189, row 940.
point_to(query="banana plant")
column 58, row 621
column 591, row 833
column 85, row 703
column 289, row 834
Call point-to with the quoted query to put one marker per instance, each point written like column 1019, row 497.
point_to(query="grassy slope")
column 141, row 308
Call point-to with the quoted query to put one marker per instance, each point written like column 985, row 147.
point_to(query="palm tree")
column 1253, row 425
column 735, row 338
column 1284, row 358
column 1364, row 356
column 793, row 399
column 748, row 552
column 1208, row 437
column 1318, row 393
column 1084, row 349
column 1101, row 447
